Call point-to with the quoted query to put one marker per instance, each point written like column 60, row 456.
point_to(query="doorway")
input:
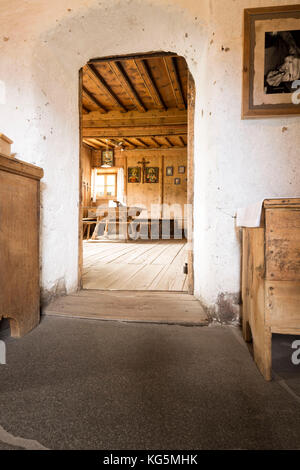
column 136, row 162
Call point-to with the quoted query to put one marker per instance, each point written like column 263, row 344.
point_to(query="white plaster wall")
column 237, row 162
column 43, row 45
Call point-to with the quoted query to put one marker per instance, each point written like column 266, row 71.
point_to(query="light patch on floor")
column 149, row 265
column 19, row 442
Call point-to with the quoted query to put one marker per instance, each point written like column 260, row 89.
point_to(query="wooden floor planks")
column 149, row 307
column 152, row 265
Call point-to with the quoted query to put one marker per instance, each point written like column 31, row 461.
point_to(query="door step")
column 128, row 306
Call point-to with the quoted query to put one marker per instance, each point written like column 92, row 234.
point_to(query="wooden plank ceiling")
column 136, row 102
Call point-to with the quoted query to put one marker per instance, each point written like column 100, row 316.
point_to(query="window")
column 106, row 185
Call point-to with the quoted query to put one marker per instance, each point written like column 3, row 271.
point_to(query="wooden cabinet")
column 19, row 244
column 271, row 278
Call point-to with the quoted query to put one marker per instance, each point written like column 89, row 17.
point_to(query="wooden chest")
column 271, row 278
column 19, row 244
column 5, row 145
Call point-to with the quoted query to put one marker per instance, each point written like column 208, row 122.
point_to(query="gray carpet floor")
column 84, row 384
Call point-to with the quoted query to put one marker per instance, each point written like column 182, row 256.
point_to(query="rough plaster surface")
column 42, row 47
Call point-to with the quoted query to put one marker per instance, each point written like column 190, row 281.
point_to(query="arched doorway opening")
column 136, row 173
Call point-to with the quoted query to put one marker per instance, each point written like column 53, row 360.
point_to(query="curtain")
column 120, row 186
column 93, row 185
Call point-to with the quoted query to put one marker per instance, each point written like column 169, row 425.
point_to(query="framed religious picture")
column 134, row 174
column 271, row 73
column 169, row 171
column 177, row 181
column 107, row 158
column 151, row 174
column 181, row 170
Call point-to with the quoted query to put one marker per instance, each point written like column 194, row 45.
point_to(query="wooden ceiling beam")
column 103, row 86
column 168, row 141
column 92, row 98
column 157, row 144
column 90, row 143
column 84, row 108
column 149, row 83
column 123, row 78
column 135, row 118
column 173, row 114
column 112, row 142
column 171, row 68
column 129, row 143
column 184, row 139
column 106, row 143
column 165, row 148
column 97, row 142
column 181, row 141
column 134, row 131
column 140, row 141
column 145, row 56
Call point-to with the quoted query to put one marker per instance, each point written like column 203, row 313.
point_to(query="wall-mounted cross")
column 143, row 163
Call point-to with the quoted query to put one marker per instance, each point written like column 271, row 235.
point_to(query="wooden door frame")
column 190, row 176
column 80, row 204
column 190, row 182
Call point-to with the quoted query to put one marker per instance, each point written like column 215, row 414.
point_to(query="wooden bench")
column 119, row 217
column 88, row 223
column 271, row 278
column 19, row 244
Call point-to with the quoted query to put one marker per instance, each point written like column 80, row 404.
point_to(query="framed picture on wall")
column 107, row 158
column 169, row 171
column 134, row 174
column 152, row 174
column 177, row 181
column 181, row 170
column 271, row 73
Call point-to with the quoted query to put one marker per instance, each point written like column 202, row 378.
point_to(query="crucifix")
column 143, row 163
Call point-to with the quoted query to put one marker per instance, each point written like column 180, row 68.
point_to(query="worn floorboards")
column 150, row 307
column 141, row 265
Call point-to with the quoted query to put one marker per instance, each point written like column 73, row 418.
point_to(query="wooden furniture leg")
column 246, row 331
column 255, row 324
column 246, row 279
column 95, row 232
column 128, row 222
column 105, row 234
column 126, row 231
column 262, row 346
